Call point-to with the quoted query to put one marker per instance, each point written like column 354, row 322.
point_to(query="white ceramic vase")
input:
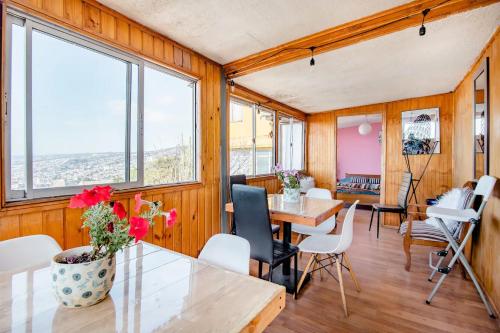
column 80, row 285
column 291, row 194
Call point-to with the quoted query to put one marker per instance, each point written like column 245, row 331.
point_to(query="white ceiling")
column 226, row 30
column 351, row 121
column 396, row 66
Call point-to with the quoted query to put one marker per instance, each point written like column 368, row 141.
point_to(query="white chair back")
column 23, row 252
column 347, row 230
column 319, row 193
column 485, row 186
column 227, row 251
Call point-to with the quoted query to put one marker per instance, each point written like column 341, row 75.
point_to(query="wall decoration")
column 420, row 131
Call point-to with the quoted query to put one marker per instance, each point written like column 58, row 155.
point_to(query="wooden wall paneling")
column 486, row 241
column 31, row 224
column 53, row 224
column 9, row 227
column 198, row 204
column 193, row 222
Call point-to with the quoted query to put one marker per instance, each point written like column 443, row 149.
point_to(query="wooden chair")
column 416, row 232
column 400, row 208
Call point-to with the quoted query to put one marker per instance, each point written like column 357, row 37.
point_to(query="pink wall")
column 358, row 153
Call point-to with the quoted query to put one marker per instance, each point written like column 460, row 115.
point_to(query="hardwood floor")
column 391, row 299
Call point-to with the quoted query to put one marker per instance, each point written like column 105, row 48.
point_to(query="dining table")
column 307, row 211
column 155, row 289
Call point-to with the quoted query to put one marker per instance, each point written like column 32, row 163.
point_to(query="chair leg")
column 406, row 247
column 260, row 269
column 400, row 221
column 378, row 223
column 303, row 276
column 371, row 219
column 270, row 276
column 314, row 266
column 351, row 272
column 295, row 274
column 337, row 262
column 318, row 257
column 299, row 238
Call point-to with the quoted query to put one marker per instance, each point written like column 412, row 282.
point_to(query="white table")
column 155, row 290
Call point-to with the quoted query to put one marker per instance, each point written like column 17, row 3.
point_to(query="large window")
column 80, row 113
column 291, row 143
column 251, row 140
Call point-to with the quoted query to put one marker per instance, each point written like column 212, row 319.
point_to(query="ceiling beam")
column 376, row 25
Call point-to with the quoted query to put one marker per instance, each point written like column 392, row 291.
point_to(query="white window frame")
column 291, row 121
column 30, row 24
column 255, row 108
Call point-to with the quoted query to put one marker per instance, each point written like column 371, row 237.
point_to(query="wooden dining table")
column 307, row 211
column 154, row 290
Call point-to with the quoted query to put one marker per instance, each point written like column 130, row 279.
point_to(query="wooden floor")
column 391, row 299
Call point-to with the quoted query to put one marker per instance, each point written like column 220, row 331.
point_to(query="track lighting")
column 312, row 62
column 421, row 31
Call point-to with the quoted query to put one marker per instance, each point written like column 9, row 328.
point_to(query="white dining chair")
column 324, row 228
column 227, row 251
column 18, row 253
column 334, row 247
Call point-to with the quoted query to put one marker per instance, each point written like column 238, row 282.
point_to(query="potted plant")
column 84, row 276
column 290, row 180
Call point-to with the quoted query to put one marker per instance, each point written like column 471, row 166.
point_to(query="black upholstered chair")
column 242, row 180
column 400, row 208
column 254, row 224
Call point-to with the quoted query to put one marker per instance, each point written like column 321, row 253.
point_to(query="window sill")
column 24, row 206
column 261, row 177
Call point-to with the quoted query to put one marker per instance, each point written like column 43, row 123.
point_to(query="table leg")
column 287, row 239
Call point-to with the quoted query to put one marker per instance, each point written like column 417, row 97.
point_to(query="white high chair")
column 484, row 188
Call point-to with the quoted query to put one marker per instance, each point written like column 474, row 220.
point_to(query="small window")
column 251, row 142
column 291, row 143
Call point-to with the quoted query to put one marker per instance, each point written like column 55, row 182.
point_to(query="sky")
column 79, row 100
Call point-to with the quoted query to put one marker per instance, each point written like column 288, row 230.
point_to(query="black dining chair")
column 400, row 208
column 242, row 180
column 254, row 224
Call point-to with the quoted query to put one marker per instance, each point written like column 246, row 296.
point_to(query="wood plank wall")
column 486, row 245
column 321, row 163
column 198, row 204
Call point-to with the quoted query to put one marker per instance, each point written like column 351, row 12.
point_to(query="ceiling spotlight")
column 421, row 31
column 232, row 85
column 312, row 62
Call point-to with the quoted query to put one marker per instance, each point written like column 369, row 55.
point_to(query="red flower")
column 171, row 217
column 119, row 210
column 77, row 202
column 138, row 202
column 138, row 228
column 103, row 192
column 111, row 227
column 91, row 197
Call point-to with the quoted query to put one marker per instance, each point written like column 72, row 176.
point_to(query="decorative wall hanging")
column 420, row 131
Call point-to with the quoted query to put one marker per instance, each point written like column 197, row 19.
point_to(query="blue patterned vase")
column 80, row 285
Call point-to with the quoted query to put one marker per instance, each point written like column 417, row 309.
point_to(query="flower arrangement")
column 109, row 228
column 289, row 178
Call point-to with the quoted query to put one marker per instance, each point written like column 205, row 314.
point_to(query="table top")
column 154, row 290
column 307, row 211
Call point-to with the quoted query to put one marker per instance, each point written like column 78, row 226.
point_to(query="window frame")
column 30, row 23
column 291, row 121
column 255, row 107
